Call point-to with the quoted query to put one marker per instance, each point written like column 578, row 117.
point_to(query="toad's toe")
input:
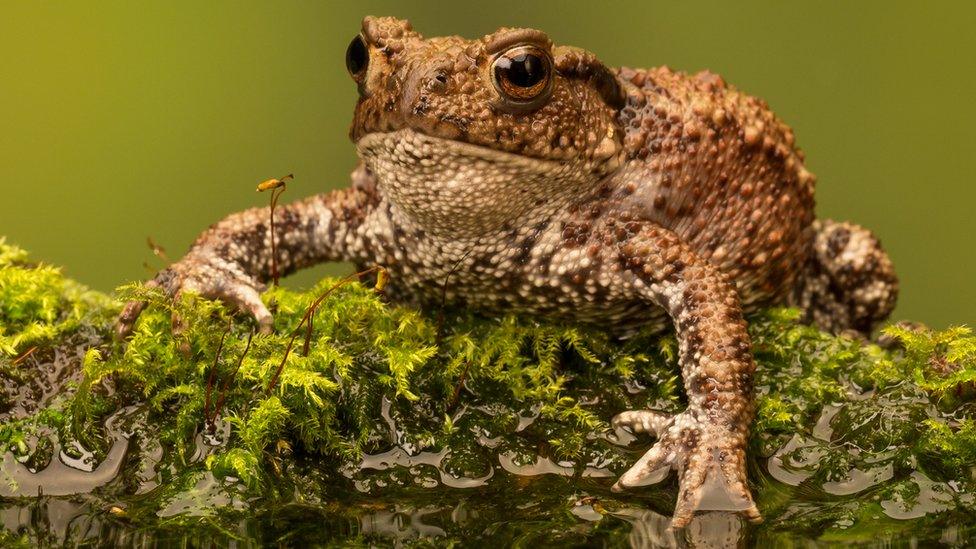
column 710, row 462
column 643, row 421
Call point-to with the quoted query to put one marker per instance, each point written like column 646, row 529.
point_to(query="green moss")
column 393, row 406
column 38, row 305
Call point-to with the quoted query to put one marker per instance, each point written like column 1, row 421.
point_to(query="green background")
column 120, row 120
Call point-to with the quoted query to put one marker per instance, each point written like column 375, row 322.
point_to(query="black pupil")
column 523, row 69
column 357, row 56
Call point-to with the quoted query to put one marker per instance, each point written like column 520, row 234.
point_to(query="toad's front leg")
column 706, row 443
column 232, row 259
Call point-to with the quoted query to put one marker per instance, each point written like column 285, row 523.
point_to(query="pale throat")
column 458, row 190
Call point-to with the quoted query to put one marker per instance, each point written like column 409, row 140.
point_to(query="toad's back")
column 720, row 170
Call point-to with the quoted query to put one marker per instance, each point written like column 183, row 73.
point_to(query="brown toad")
column 553, row 185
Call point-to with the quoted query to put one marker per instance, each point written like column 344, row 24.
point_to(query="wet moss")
column 407, row 424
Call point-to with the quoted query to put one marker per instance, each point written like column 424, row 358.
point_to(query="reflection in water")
column 64, row 476
column 541, row 466
column 400, row 457
column 707, row 530
column 401, row 524
column 932, row 497
column 649, row 529
column 52, row 521
column 717, row 529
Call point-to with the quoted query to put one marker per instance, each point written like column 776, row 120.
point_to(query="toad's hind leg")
column 849, row 282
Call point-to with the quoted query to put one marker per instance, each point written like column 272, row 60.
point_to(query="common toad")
column 553, row 185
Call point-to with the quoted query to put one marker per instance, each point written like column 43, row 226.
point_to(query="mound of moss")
column 385, row 424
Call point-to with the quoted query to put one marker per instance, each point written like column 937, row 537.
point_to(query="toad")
column 552, row 185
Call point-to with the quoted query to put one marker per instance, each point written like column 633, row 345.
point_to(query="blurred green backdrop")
column 120, row 120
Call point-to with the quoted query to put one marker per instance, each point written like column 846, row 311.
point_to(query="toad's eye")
column 357, row 57
column 523, row 74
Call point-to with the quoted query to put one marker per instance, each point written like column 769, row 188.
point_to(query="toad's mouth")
column 408, row 147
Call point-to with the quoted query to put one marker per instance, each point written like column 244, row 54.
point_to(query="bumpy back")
column 721, row 171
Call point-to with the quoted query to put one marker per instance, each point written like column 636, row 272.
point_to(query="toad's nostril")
column 437, row 82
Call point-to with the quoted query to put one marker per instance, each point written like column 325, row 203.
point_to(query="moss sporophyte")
column 381, row 429
column 277, row 186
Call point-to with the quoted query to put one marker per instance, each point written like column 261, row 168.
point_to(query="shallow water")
column 542, row 510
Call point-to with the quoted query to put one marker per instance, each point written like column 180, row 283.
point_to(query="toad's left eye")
column 522, row 74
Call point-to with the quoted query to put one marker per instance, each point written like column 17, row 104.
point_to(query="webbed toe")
column 709, row 460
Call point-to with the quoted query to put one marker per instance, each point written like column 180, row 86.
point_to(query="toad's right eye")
column 357, row 57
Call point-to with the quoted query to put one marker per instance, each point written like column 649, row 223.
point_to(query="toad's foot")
column 708, row 456
column 210, row 276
